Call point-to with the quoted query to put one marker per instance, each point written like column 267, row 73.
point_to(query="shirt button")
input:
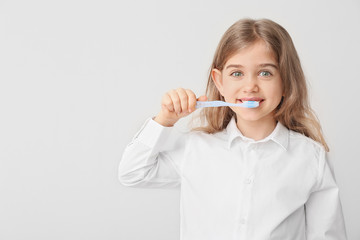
column 248, row 181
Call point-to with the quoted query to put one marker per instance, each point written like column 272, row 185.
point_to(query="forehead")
column 257, row 53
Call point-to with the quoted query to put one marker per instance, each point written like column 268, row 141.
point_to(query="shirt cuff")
column 153, row 134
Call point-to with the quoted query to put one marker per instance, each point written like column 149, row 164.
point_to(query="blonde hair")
column 294, row 110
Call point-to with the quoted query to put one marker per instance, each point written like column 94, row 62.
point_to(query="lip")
column 258, row 99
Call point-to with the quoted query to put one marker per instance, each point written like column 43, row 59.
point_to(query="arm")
column 324, row 216
column 153, row 157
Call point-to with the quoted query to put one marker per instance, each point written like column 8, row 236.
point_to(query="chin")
column 251, row 117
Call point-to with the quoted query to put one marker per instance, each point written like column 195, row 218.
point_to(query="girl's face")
column 251, row 74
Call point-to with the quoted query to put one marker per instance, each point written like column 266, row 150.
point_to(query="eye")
column 265, row 74
column 236, row 74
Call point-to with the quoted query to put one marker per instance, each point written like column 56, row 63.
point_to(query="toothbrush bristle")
column 251, row 104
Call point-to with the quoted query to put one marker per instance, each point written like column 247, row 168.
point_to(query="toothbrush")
column 247, row 104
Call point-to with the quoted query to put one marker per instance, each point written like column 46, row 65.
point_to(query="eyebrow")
column 260, row 65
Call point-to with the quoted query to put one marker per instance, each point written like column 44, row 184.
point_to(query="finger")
column 192, row 100
column 167, row 103
column 202, row 98
column 176, row 101
column 183, row 99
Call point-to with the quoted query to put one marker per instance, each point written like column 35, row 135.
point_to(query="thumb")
column 202, row 98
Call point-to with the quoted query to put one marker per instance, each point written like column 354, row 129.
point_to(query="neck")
column 256, row 130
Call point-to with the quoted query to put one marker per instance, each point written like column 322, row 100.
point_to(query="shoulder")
column 308, row 152
column 305, row 145
column 197, row 134
column 207, row 138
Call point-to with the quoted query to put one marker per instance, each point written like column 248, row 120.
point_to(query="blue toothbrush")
column 247, row 104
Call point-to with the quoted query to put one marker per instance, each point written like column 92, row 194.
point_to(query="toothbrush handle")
column 249, row 104
column 201, row 104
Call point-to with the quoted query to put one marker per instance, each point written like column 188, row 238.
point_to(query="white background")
column 78, row 79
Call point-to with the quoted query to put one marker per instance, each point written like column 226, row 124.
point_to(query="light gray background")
column 78, row 79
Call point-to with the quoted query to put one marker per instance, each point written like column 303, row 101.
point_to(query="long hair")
column 294, row 110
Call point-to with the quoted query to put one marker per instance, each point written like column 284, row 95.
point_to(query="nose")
column 250, row 84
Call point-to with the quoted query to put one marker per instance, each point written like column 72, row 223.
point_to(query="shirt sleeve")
column 324, row 216
column 153, row 158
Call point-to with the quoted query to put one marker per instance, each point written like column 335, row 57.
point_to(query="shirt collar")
column 280, row 134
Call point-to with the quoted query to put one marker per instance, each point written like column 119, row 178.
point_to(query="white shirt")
column 234, row 188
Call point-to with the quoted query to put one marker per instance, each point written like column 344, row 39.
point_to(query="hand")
column 176, row 104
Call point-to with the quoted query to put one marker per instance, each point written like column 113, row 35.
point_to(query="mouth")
column 256, row 99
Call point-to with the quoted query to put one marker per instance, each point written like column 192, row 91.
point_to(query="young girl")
column 250, row 173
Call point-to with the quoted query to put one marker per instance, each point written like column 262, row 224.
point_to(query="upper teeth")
column 250, row 101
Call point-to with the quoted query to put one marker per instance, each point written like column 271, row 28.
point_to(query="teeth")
column 249, row 101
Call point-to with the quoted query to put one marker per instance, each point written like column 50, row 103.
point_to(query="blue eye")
column 267, row 73
column 236, row 74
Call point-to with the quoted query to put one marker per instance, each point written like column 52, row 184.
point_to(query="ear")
column 217, row 78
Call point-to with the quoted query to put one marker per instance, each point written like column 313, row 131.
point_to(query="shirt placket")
column 250, row 160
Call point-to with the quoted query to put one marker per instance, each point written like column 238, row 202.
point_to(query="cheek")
column 230, row 94
column 274, row 89
column 276, row 97
column 230, row 88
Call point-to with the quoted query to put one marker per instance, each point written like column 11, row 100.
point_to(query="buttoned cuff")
column 153, row 135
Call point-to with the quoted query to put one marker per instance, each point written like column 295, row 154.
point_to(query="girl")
column 250, row 173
